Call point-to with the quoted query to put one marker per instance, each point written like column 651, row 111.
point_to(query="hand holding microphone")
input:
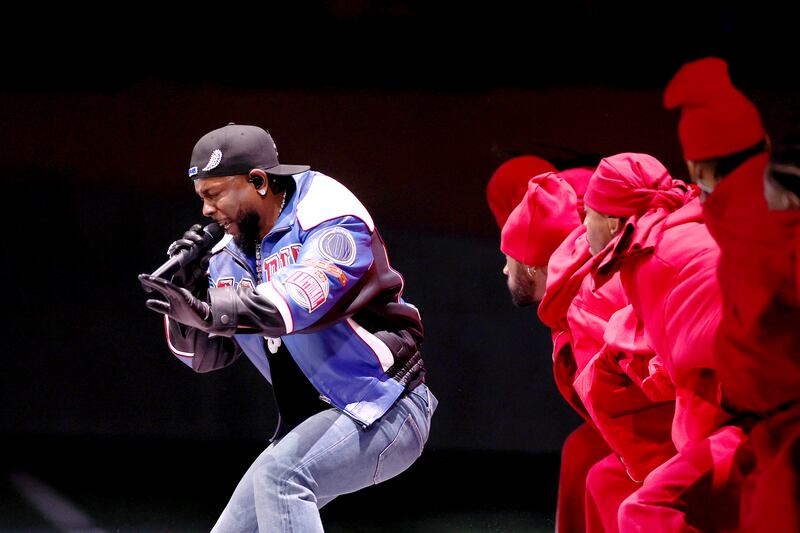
column 186, row 271
column 182, row 265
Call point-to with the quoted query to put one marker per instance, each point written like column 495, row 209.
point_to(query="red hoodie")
column 668, row 267
column 758, row 345
column 602, row 382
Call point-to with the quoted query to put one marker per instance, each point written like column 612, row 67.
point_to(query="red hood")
column 640, row 234
column 567, row 267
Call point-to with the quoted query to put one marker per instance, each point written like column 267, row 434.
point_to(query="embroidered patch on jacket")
column 337, row 245
column 285, row 256
column 230, row 281
column 330, row 268
column 214, row 160
column 225, row 282
column 308, row 287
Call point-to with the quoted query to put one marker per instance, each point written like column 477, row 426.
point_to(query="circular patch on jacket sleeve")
column 337, row 245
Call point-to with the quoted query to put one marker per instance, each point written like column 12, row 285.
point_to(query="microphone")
column 212, row 233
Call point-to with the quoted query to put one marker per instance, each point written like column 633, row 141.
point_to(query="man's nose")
column 208, row 209
column 505, row 270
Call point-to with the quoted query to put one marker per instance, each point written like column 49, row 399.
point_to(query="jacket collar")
column 285, row 221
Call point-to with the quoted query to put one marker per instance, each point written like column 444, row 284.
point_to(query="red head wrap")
column 537, row 226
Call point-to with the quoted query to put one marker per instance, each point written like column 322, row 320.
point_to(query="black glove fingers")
column 158, row 306
column 161, row 285
column 180, row 304
column 145, row 280
column 193, row 236
column 190, row 237
column 183, row 243
column 177, row 246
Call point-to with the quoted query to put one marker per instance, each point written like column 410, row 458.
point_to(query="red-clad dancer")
column 584, row 446
column 605, row 386
column 622, row 386
column 649, row 228
column 758, row 344
column 771, row 499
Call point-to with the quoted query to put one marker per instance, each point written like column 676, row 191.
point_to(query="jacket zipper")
column 241, row 262
column 322, row 397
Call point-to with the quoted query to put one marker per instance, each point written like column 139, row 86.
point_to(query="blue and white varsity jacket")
column 327, row 293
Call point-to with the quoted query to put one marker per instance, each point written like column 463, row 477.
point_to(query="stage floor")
column 117, row 485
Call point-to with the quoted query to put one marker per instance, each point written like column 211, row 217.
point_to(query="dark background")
column 412, row 105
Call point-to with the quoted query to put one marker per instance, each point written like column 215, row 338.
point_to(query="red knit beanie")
column 716, row 118
column 631, row 184
column 536, row 227
column 509, row 183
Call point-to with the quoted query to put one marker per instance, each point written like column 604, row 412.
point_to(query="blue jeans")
column 327, row 455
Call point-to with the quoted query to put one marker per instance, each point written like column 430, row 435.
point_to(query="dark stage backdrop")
column 93, row 164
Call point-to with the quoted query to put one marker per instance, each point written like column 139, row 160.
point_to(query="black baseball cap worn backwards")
column 237, row 149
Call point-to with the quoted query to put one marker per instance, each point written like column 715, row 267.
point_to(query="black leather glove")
column 193, row 275
column 181, row 305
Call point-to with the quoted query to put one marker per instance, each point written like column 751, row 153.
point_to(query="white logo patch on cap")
column 214, row 160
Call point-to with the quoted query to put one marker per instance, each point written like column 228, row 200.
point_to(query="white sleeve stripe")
column 270, row 293
column 385, row 357
column 175, row 351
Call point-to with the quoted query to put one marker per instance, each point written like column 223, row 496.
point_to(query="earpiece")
column 257, row 181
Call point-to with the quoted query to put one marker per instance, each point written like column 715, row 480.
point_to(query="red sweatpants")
column 607, row 486
column 698, row 490
column 582, row 449
column 771, row 494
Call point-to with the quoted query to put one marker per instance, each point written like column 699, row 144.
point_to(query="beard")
column 248, row 223
column 522, row 295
